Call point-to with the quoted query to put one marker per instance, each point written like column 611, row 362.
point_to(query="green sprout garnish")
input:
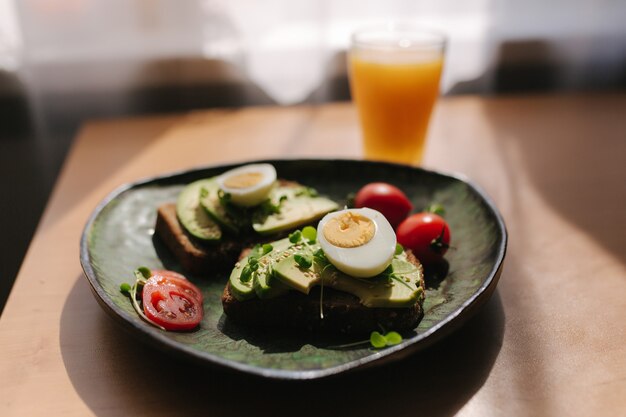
column 238, row 217
column 295, row 236
column 309, row 233
column 249, row 269
column 266, row 248
column 306, row 257
column 267, row 208
column 436, row 209
column 399, row 249
column 391, row 275
column 379, row 341
column 253, row 261
column 141, row 277
column 224, row 197
column 144, row 271
column 246, row 274
column 393, row 338
column 303, row 261
column 320, row 257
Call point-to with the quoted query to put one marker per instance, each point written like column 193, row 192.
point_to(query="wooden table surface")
column 551, row 341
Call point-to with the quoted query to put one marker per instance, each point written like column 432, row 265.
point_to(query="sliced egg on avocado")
column 358, row 242
column 248, row 185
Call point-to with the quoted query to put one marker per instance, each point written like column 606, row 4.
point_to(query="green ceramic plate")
column 119, row 237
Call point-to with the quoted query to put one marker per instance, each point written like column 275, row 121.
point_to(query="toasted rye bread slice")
column 206, row 258
column 194, row 257
column 343, row 312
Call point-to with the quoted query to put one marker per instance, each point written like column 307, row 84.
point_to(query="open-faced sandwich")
column 350, row 273
column 215, row 218
column 347, row 276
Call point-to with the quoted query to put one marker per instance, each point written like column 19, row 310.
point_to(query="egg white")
column 363, row 261
column 255, row 194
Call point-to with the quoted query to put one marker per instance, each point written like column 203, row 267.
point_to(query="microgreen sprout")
column 249, row 269
column 295, row 236
column 303, row 261
column 393, row 338
column 142, row 274
column 252, row 266
column 399, row 249
column 224, row 197
column 390, row 274
column 377, row 340
column 319, row 257
column 144, row 271
column 238, row 217
column 266, row 248
column 436, row 209
column 309, row 233
column 267, row 207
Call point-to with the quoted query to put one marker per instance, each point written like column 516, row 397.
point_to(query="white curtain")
column 287, row 48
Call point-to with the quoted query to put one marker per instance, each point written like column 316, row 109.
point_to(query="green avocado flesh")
column 285, row 273
column 296, row 208
column 209, row 199
column 258, row 285
column 192, row 215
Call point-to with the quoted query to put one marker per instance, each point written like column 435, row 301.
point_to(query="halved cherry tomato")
column 386, row 198
column 172, row 301
column 427, row 235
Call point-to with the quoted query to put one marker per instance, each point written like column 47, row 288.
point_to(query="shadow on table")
column 120, row 375
column 571, row 148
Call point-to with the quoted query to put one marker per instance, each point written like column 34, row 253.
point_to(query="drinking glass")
column 394, row 73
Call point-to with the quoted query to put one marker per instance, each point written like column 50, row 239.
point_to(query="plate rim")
column 156, row 338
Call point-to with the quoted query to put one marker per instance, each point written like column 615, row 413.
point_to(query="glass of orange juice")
column 394, row 79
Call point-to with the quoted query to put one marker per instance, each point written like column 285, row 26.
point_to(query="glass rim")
column 405, row 36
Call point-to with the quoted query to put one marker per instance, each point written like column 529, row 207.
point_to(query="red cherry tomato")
column 387, row 199
column 171, row 301
column 427, row 235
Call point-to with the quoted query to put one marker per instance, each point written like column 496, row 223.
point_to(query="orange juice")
column 394, row 95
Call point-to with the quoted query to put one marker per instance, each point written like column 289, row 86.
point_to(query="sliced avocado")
column 193, row 217
column 297, row 208
column 381, row 292
column 373, row 292
column 292, row 275
column 260, row 284
column 240, row 289
column 264, row 285
column 209, row 199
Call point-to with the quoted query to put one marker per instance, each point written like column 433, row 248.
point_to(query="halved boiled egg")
column 248, row 185
column 358, row 242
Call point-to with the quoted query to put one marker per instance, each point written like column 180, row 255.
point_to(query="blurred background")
column 63, row 62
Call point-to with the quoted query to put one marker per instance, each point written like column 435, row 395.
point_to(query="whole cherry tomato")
column 171, row 301
column 387, row 199
column 427, row 235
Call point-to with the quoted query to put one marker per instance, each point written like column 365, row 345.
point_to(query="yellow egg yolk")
column 349, row 230
column 244, row 180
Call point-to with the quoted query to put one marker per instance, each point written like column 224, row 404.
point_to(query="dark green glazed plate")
column 119, row 237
